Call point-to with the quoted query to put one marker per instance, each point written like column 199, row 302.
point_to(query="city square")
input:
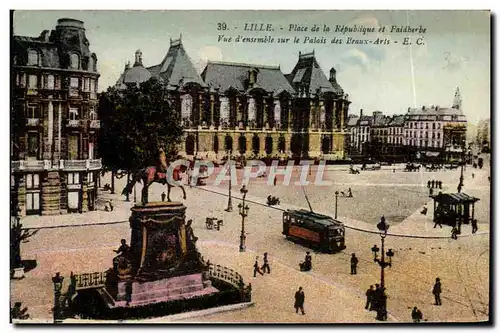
column 134, row 196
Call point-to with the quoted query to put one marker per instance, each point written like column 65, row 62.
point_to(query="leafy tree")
column 137, row 121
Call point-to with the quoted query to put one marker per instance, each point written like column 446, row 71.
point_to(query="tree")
column 137, row 121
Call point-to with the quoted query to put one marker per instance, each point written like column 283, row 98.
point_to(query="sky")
column 455, row 51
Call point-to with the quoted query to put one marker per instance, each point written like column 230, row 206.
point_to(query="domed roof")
column 138, row 73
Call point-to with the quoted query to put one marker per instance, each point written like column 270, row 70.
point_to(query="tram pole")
column 336, row 202
column 244, row 213
column 229, row 201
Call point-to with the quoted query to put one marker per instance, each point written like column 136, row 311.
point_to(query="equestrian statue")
column 156, row 174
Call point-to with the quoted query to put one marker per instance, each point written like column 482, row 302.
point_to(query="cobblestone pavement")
column 332, row 294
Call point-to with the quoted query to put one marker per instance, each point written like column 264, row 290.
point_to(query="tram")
column 316, row 230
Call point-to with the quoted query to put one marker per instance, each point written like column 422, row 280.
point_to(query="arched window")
column 74, row 61
column 33, row 58
column 91, row 64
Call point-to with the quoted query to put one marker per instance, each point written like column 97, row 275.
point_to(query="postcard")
column 250, row 167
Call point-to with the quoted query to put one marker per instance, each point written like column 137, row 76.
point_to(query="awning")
column 454, row 198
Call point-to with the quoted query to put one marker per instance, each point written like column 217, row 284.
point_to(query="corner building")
column 54, row 164
column 254, row 110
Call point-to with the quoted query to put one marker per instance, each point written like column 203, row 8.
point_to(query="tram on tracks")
column 315, row 230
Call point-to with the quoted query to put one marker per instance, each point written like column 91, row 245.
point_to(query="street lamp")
column 244, row 213
column 58, row 281
column 229, row 201
column 336, row 201
column 383, row 263
column 461, row 181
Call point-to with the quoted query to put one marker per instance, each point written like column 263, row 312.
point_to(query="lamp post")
column 336, row 201
column 461, row 181
column 383, row 263
column 229, row 201
column 58, row 281
column 244, row 213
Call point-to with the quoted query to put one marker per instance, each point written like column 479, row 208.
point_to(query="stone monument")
column 162, row 263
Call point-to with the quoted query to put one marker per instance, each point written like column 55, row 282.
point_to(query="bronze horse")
column 153, row 174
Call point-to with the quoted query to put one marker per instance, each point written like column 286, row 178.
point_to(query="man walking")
column 299, row 301
column 375, row 298
column 354, row 264
column 437, row 292
column 163, row 196
column 474, row 226
column 416, row 315
column 369, row 298
column 437, row 222
column 256, row 268
column 266, row 267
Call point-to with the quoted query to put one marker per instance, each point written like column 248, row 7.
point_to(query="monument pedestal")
column 163, row 264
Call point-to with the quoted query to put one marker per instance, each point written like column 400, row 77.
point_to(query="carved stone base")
column 164, row 290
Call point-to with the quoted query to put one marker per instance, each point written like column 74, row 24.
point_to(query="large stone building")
column 254, row 110
column 54, row 121
column 427, row 131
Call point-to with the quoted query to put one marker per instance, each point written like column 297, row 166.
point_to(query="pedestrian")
column 354, row 264
column 473, row 175
column 416, row 315
column 437, row 222
column 163, row 196
column 274, row 180
column 474, row 226
column 369, row 298
column 436, row 291
column 266, row 267
column 375, row 298
column 431, row 191
column 454, row 233
column 256, row 268
column 432, row 183
column 381, row 305
column 128, row 293
column 428, row 184
column 349, row 193
column 307, row 264
column 424, row 210
column 440, row 185
column 299, row 301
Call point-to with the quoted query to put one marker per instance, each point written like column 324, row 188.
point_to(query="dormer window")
column 74, row 61
column 33, row 58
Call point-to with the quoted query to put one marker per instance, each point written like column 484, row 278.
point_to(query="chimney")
column 360, row 113
column 252, row 76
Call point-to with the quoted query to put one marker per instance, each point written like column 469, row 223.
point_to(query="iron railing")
column 89, row 280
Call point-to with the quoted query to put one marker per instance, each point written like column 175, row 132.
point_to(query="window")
column 33, row 58
column 426, row 125
column 93, row 87
column 74, row 61
column 433, row 125
column 57, row 82
column 90, row 177
column 74, row 82
column 72, row 147
column 33, row 111
column 73, row 113
column 86, row 84
column 32, row 82
column 33, row 145
column 439, row 135
column 22, row 80
column 32, row 192
column 92, row 113
column 73, row 178
column 92, row 64
column 50, row 82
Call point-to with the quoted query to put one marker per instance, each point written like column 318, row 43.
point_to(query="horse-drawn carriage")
column 213, row 223
column 451, row 167
column 371, row 167
column 353, row 171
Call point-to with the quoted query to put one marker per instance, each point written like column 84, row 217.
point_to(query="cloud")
column 210, row 52
column 356, row 57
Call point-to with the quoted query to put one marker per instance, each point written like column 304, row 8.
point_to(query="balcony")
column 74, row 123
column 95, row 124
column 67, row 165
column 33, row 122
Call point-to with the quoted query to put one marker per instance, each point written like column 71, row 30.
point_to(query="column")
column 312, row 116
column 59, row 127
column 200, row 111
column 344, row 106
column 338, row 114
column 51, row 129
column 289, row 111
column 266, row 119
column 239, row 116
column 334, row 115
column 212, row 102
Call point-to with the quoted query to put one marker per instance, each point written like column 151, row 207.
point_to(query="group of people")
column 435, row 184
column 265, row 267
column 376, row 300
column 272, row 200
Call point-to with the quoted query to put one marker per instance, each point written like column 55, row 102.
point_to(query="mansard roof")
column 176, row 68
column 226, row 75
column 307, row 73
